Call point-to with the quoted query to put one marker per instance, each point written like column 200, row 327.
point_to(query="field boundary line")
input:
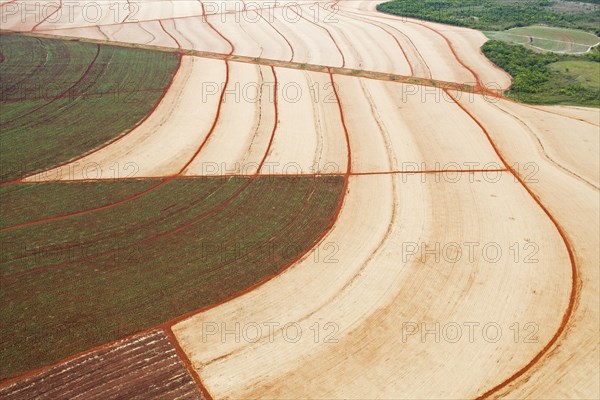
column 169, row 324
column 213, row 210
column 205, row 18
column 280, row 34
column 33, row 373
column 187, row 362
column 60, row 4
column 166, row 18
column 574, row 273
column 410, row 66
column 404, row 35
column 382, row 76
column 160, row 22
column 214, row 124
column 547, row 156
column 164, row 326
column 275, row 175
column 479, row 84
column 106, row 206
column 328, row 32
column 536, row 108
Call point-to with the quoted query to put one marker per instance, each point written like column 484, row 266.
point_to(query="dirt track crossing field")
column 430, row 238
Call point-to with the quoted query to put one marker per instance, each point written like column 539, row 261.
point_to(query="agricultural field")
column 214, row 200
column 143, row 261
column 547, row 78
column 150, row 358
column 586, row 73
column 559, row 40
column 45, row 108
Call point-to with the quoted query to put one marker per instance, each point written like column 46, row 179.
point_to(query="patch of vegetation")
column 29, row 202
column 560, row 40
column 586, row 73
column 498, row 15
column 80, row 282
column 61, row 98
column 542, row 78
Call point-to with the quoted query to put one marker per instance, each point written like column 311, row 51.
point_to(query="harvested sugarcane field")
column 310, row 199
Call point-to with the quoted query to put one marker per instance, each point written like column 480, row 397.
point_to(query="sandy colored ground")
column 309, row 136
column 590, row 115
column 365, row 40
column 466, row 44
column 168, row 139
column 242, row 134
column 375, row 287
column 572, row 370
column 364, row 46
column 423, row 129
column 577, row 156
column 369, row 289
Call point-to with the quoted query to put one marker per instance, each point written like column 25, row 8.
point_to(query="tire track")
column 405, row 36
column 129, row 11
column 60, row 4
column 35, row 70
column 479, row 85
column 171, row 36
column 543, row 149
column 167, row 327
column 110, row 142
column 133, row 228
column 334, row 218
column 173, row 18
column 180, row 34
column 166, row 89
column 83, row 94
column 328, row 33
column 102, row 33
column 298, row 215
column 574, row 273
column 7, row 2
column 553, row 112
column 141, row 26
column 412, row 70
column 316, row 123
column 257, row 120
column 280, row 34
column 215, row 29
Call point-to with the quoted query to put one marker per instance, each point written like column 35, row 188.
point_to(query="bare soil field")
column 367, row 41
column 320, row 209
column 575, row 362
column 128, row 368
column 375, row 292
